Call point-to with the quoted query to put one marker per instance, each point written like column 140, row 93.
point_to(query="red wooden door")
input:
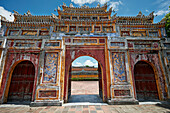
column 145, row 82
column 22, row 81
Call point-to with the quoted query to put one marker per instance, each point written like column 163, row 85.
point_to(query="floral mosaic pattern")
column 50, row 67
column 118, row 63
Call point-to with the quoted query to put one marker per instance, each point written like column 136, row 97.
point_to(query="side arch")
column 12, row 59
column 143, row 78
column 10, row 74
column 154, row 61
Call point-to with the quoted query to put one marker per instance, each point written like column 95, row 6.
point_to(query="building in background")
column 37, row 52
column 84, row 73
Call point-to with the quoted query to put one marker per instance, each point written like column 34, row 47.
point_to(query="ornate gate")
column 22, row 82
column 146, row 88
column 97, row 52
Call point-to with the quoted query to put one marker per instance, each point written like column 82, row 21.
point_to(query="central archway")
column 85, row 81
column 98, row 53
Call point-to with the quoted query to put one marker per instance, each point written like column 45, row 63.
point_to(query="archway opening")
column 145, row 83
column 85, row 80
column 22, row 82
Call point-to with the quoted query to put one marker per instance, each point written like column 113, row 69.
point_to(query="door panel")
column 22, row 82
column 145, row 82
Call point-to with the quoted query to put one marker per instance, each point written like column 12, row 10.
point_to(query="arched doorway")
column 85, row 81
column 22, row 81
column 146, row 88
column 97, row 52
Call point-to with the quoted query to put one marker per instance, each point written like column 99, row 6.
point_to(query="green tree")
column 167, row 24
column 87, row 66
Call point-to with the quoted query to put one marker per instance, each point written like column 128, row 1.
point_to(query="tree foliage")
column 167, row 24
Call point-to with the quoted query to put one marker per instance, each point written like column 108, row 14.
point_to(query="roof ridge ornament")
column 64, row 4
column 110, row 9
column 98, row 5
column 59, row 8
column 114, row 16
column 84, row 6
column 105, row 4
column 139, row 14
column 54, row 16
column 152, row 13
column 28, row 13
column 15, row 12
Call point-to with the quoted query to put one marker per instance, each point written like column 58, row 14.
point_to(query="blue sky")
column 84, row 61
column 122, row 8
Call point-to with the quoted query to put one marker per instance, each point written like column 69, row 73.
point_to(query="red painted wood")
column 22, row 82
column 145, row 82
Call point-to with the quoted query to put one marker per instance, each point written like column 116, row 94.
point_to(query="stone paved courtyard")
column 87, row 109
column 86, row 100
column 84, row 87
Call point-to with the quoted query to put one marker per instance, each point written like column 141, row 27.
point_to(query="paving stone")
column 92, row 108
column 85, row 111
column 78, row 112
column 93, row 112
column 89, row 109
column 72, row 109
column 73, row 106
column 79, row 108
column 37, row 110
column 64, row 111
column 58, row 111
column 71, row 112
column 85, row 106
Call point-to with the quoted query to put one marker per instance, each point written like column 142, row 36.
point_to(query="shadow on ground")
column 18, row 103
column 164, row 105
column 85, row 98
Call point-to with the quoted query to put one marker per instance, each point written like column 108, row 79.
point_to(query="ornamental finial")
column 64, row 4
column 59, row 8
column 152, row 13
column 54, row 16
column 105, row 4
column 15, row 12
column 28, row 13
column 98, row 5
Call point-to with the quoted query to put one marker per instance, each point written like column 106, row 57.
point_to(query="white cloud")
column 87, row 62
column 77, row 64
column 7, row 14
column 90, row 63
column 115, row 5
column 81, row 2
column 110, row 3
column 161, row 12
column 147, row 11
column 162, row 4
column 165, row 4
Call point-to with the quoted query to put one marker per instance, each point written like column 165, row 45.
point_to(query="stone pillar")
column 47, row 87
column 92, row 28
column 2, row 64
column 121, row 83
